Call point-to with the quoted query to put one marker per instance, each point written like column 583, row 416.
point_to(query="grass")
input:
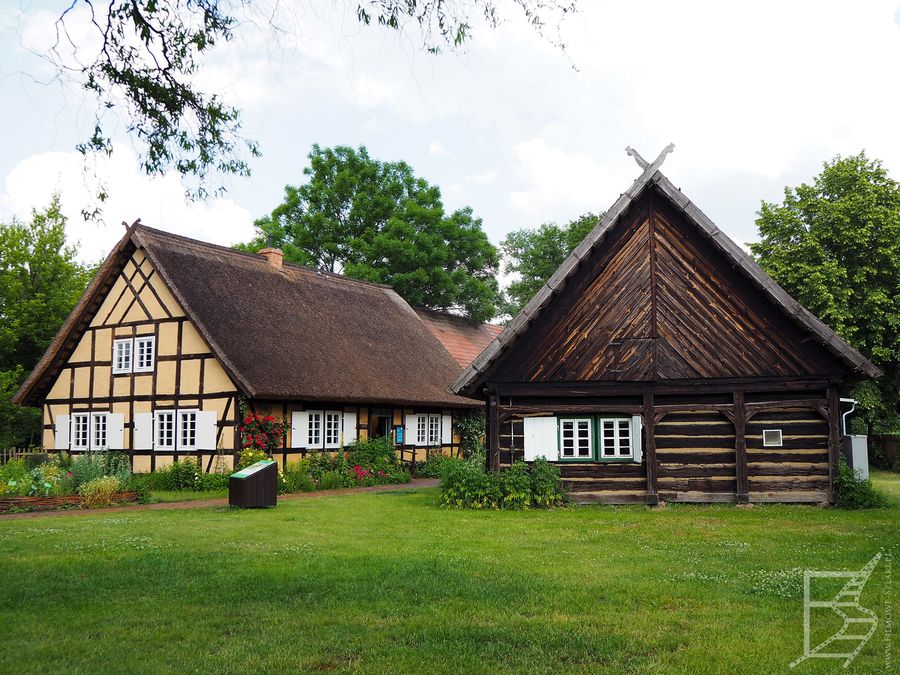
column 166, row 496
column 389, row 582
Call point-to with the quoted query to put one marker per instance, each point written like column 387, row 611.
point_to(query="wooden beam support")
column 740, row 448
column 650, row 449
column 834, row 436
column 493, row 432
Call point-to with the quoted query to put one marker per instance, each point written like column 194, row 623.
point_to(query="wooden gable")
column 656, row 301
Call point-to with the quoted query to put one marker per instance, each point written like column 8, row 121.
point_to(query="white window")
column 615, row 438
column 575, row 439
column 187, row 429
column 99, row 430
column 144, row 353
column 332, row 429
column 434, row 430
column 422, row 430
column 164, row 434
column 122, row 355
column 772, row 438
column 81, row 435
column 314, row 429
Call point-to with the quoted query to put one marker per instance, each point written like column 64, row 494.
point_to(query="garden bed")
column 40, row 503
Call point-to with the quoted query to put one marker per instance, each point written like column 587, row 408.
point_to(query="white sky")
column 755, row 97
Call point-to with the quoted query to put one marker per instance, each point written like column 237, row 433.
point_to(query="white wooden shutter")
column 446, row 429
column 206, row 429
column 412, row 430
column 636, row 438
column 349, row 428
column 142, row 433
column 115, row 431
column 541, row 438
column 299, row 429
column 61, row 432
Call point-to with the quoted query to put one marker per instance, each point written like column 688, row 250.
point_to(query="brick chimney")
column 275, row 256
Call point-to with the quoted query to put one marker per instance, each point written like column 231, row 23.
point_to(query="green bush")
column 546, row 486
column 431, row 467
column 92, row 465
column 332, row 480
column 211, row 482
column 853, row 492
column 15, row 479
column 372, row 452
column 99, row 492
column 250, row 456
column 515, row 486
column 468, row 485
column 184, row 474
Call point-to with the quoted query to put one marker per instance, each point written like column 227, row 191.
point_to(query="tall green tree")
column 40, row 282
column 378, row 221
column 533, row 255
column 835, row 246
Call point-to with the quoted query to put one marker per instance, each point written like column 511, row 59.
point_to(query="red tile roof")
column 463, row 338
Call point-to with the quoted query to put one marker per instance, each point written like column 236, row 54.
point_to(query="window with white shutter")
column 615, row 438
column 164, row 430
column 332, row 429
column 187, row 429
column 434, row 430
column 99, row 430
column 576, row 439
column 314, row 429
column 81, row 432
column 421, row 429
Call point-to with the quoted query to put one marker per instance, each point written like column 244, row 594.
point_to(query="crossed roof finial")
column 643, row 163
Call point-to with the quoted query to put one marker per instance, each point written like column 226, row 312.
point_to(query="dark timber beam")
column 740, row 448
column 493, row 459
column 650, row 449
column 834, row 436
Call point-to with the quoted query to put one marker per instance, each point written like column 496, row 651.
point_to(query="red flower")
column 269, row 418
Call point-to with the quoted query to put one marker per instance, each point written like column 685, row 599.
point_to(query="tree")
column 835, row 246
column 40, row 282
column 378, row 221
column 534, row 255
column 140, row 60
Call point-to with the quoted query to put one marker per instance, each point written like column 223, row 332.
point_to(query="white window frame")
column 576, row 444
column 434, row 430
column 778, row 444
column 136, row 353
column 78, row 417
column 421, row 429
column 181, row 415
column 96, row 418
column 314, row 423
column 617, row 438
column 128, row 344
column 331, row 427
column 156, row 438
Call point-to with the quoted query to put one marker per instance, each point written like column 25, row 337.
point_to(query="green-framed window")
column 614, row 439
column 576, row 439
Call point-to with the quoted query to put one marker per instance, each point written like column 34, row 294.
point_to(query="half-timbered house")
column 172, row 333
column 661, row 362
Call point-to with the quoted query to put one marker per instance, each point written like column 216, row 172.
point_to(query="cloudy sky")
column 755, row 96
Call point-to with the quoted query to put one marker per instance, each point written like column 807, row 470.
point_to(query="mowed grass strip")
column 389, row 582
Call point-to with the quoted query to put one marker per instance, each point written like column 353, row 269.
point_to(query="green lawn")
column 163, row 496
column 389, row 582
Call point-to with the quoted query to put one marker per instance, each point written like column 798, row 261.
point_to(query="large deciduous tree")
column 835, row 246
column 378, row 221
column 140, row 61
column 533, row 255
column 40, row 282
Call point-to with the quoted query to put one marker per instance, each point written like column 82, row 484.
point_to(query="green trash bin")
column 255, row 486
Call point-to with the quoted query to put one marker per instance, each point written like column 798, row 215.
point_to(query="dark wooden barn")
column 661, row 363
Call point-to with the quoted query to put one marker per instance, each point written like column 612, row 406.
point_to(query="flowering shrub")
column 250, row 456
column 263, row 433
column 98, row 492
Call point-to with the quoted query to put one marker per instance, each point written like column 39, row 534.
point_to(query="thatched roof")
column 293, row 333
column 470, row 379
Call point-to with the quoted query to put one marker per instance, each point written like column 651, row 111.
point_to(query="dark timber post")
column 650, row 450
column 493, row 432
column 834, row 437
column 740, row 448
